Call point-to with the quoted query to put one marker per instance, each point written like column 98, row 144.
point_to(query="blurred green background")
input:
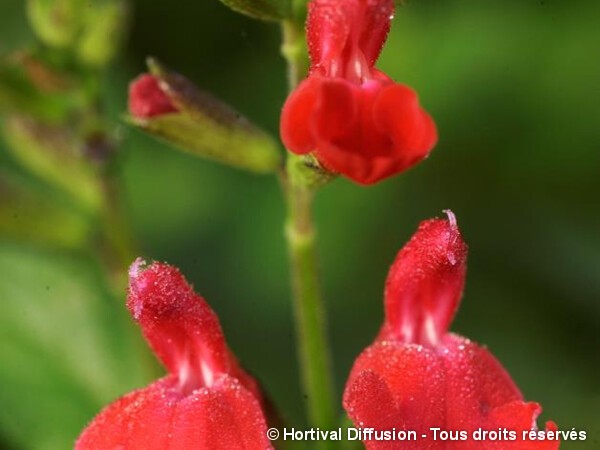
column 515, row 89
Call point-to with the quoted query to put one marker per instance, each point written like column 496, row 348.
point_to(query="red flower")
column 355, row 119
column 417, row 376
column 206, row 402
column 146, row 98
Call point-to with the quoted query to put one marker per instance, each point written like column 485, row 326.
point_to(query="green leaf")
column 261, row 9
column 67, row 348
column 204, row 126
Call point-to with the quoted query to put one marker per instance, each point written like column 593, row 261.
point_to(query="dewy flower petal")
column 206, row 402
column 355, row 119
column 417, row 375
column 146, row 98
column 425, row 283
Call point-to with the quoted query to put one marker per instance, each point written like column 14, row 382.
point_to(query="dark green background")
column 514, row 87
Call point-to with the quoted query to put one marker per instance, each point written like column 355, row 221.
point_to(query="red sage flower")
column 351, row 116
column 205, row 402
column 417, row 376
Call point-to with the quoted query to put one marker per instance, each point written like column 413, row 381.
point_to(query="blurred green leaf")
column 67, row 348
column 52, row 153
column 19, row 94
column 261, row 9
column 204, row 126
column 34, row 215
column 91, row 29
column 56, row 22
column 104, row 25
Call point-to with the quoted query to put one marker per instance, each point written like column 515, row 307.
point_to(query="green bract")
column 204, row 126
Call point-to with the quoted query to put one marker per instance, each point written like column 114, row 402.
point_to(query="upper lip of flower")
column 181, row 328
column 425, row 283
column 342, row 43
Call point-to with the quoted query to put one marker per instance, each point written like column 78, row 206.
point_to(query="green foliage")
column 19, row 93
column 103, row 29
column 92, row 29
column 56, row 156
column 54, row 379
column 56, row 22
column 29, row 212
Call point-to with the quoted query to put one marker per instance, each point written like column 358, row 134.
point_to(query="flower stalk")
column 313, row 345
column 300, row 183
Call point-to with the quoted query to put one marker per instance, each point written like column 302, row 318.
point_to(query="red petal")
column 181, row 328
column 380, row 412
column 340, row 30
column 397, row 113
column 296, row 117
column 425, row 283
column 476, row 383
column 347, row 140
column 328, row 29
column 222, row 417
column 396, row 386
column 376, row 23
column 137, row 420
column 146, row 98
column 456, row 386
column 358, row 130
column 337, row 112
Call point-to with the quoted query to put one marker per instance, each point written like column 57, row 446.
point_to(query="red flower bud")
column 146, row 98
column 206, row 402
column 417, row 376
column 355, row 119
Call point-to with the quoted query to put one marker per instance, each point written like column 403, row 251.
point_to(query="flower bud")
column 169, row 106
column 147, row 99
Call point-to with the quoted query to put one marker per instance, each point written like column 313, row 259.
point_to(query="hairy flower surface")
column 351, row 116
column 417, row 375
column 206, row 402
column 146, row 98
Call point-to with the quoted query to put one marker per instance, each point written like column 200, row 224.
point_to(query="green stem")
column 293, row 50
column 312, row 339
column 311, row 335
